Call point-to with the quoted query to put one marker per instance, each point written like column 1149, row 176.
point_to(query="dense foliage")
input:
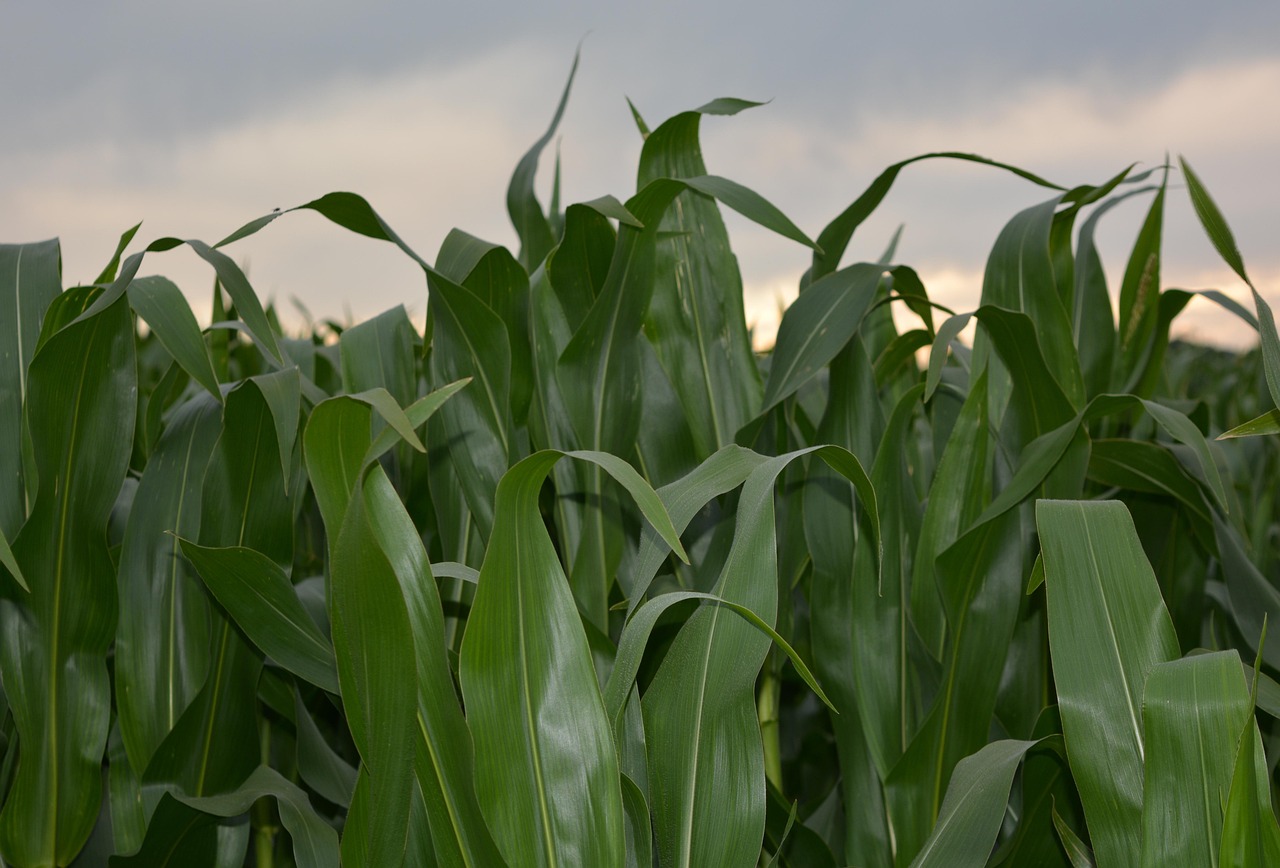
column 576, row 578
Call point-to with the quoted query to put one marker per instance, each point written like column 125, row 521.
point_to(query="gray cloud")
column 198, row 118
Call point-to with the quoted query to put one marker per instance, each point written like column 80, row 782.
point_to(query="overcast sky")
column 196, row 118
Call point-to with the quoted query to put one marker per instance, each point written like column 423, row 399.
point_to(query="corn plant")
column 576, row 577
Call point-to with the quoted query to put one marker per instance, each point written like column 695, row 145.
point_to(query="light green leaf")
column 1193, row 712
column 1108, row 628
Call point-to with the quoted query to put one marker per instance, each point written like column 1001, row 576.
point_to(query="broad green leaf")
column 861, row 635
column 1046, row 786
column 81, row 406
column 549, row 798
column 471, row 340
column 1148, row 467
column 373, row 644
column 696, row 321
column 162, row 639
column 698, row 710
column 30, row 279
column 974, row 807
column 1108, row 628
column 1020, row 276
column 259, row 597
column 337, row 434
column 639, row 850
column 282, row 390
column 749, row 204
column 379, row 353
column 159, row 301
column 817, row 326
column 722, row 472
column 502, row 283
column 578, row 266
column 1193, row 712
column 1039, row 403
column 444, row 758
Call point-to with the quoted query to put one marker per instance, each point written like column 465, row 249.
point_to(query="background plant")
column 575, row 577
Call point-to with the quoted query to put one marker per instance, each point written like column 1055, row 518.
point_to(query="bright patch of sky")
column 198, row 119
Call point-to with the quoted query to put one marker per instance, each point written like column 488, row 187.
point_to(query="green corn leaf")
column 960, row 486
column 834, row 239
column 30, row 280
column 261, row 600
column 547, row 798
column 443, row 748
column 318, row 765
column 179, row 835
column 722, row 472
column 636, row 636
column 1193, row 712
column 941, row 345
column 1020, row 277
column 164, row 307
column 1250, row 835
column 379, row 354
column 817, row 326
column 162, row 640
column 11, row 564
column 1267, row 423
column 498, row 280
column 974, row 806
column 80, row 400
column 337, row 434
column 530, row 222
column 580, row 263
column 1225, row 243
column 1108, row 628
column 639, row 833
column 1140, row 298
column 108, row 272
column 696, row 321
column 1252, row 598
column 230, row 278
column 709, row 674
column 373, row 644
column 314, row 841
